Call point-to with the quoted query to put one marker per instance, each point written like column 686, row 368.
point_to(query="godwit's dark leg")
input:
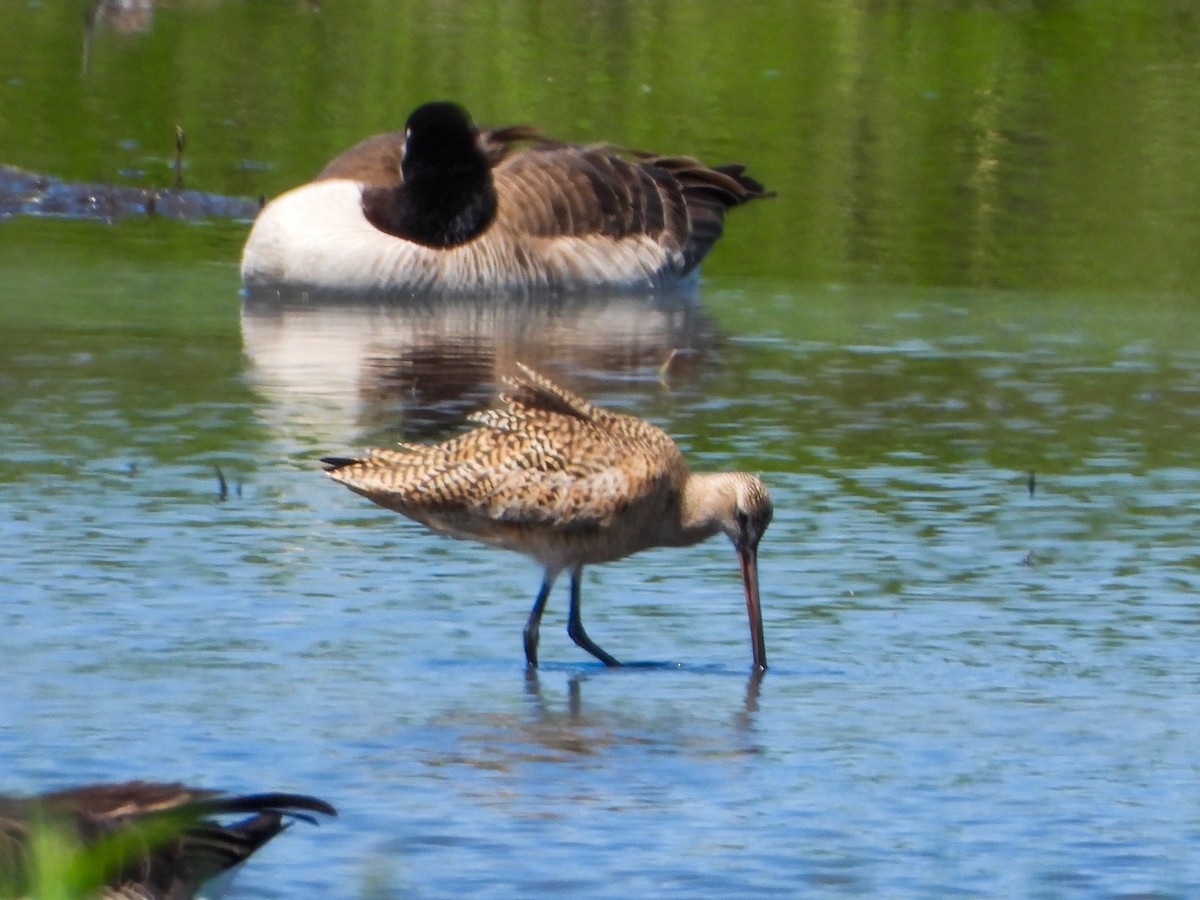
column 575, row 623
column 535, row 619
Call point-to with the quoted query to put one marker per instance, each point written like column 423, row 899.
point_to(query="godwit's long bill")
column 552, row 476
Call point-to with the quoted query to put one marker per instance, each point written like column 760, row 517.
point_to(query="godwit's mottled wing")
column 546, row 457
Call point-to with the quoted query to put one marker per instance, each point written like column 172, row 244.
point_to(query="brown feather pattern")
column 169, row 844
column 574, row 191
column 545, row 458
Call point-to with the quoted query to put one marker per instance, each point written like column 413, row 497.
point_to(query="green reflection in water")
column 993, row 145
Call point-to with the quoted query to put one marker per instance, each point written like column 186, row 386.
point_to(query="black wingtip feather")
column 285, row 804
column 333, row 463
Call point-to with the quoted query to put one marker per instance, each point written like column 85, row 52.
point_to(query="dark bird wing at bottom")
column 141, row 840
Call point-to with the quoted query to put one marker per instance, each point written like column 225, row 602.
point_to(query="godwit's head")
column 738, row 504
column 751, row 512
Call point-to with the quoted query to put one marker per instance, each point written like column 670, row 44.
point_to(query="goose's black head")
column 439, row 138
column 446, row 197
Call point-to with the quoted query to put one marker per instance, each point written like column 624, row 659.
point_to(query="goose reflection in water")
column 334, row 368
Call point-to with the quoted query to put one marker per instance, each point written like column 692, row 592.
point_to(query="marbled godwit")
column 151, row 841
column 444, row 207
column 554, row 477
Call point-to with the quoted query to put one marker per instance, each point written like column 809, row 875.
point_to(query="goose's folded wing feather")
column 563, row 190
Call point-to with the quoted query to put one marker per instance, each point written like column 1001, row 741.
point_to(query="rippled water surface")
column 982, row 680
column 961, row 347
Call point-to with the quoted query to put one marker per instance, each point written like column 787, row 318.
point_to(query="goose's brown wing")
column 565, row 190
column 571, row 191
column 708, row 191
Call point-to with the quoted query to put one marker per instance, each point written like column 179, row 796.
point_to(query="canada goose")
column 444, row 207
column 150, row 841
column 550, row 475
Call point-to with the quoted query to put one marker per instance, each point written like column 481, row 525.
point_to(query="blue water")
column 975, row 689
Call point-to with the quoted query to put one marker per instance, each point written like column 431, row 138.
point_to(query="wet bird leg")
column 535, row 619
column 575, row 624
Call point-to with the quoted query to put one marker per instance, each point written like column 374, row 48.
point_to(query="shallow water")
column 961, row 347
column 973, row 688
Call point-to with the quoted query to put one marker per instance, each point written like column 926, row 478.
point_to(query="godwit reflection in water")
column 585, row 717
column 337, row 370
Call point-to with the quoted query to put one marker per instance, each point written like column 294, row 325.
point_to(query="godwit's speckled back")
column 548, row 474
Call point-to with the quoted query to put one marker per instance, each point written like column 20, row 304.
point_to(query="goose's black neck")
column 447, row 197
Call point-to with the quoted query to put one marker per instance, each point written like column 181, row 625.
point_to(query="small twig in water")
column 222, row 484
column 180, row 146
column 662, row 370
